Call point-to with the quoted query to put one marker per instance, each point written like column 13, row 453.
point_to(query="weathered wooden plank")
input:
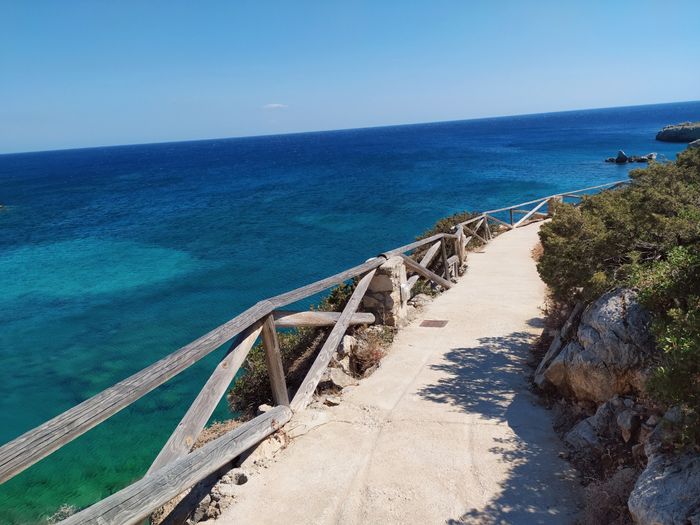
column 430, row 254
column 530, row 214
column 310, row 289
column 413, row 245
column 499, row 221
column 414, row 266
column 196, row 417
column 608, row 184
column 446, row 268
column 137, row 501
column 459, row 244
column 273, row 359
column 472, row 220
column 36, row 444
column 474, row 234
column 313, row 376
column 291, row 319
column 556, row 345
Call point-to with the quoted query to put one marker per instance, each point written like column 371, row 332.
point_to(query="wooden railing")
column 176, row 468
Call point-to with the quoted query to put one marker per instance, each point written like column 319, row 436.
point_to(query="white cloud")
column 275, row 106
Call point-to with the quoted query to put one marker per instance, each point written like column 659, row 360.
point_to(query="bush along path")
column 623, row 366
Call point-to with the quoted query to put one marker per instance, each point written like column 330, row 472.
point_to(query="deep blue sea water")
column 111, row 258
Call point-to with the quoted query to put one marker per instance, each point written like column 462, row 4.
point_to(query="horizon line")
column 405, row 124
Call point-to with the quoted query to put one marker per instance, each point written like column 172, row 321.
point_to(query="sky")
column 81, row 74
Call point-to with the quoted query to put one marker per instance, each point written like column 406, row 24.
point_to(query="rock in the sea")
column 611, row 352
column 694, row 144
column 684, row 132
column 668, row 490
column 622, row 158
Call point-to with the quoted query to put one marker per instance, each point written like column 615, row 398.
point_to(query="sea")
column 113, row 257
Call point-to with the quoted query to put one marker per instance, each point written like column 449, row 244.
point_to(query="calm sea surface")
column 111, row 258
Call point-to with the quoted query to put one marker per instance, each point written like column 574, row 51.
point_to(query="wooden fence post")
column 273, row 360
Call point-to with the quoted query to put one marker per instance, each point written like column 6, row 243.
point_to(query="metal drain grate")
column 433, row 323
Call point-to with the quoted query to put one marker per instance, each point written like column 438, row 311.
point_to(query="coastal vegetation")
column 644, row 236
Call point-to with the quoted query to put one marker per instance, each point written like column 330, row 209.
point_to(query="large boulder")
column 684, row 132
column 611, row 352
column 668, row 490
column 694, row 144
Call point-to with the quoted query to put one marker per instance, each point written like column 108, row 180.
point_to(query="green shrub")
column 645, row 235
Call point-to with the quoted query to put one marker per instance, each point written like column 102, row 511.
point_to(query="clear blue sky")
column 76, row 74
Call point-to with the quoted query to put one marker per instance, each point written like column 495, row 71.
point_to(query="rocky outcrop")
column 610, row 353
column 618, row 419
column 668, row 490
column 622, row 158
column 694, row 144
column 684, row 132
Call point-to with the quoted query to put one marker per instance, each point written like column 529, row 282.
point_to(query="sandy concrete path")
column 445, row 431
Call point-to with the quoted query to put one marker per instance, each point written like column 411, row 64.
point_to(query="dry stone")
column 611, row 352
column 384, row 297
column 668, row 490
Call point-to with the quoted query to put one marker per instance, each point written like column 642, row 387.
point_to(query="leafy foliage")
column 647, row 236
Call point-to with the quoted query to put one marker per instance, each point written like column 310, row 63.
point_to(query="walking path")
column 445, row 431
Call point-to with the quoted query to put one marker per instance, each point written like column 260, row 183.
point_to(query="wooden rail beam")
column 196, row 417
column 414, row 266
column 313, row 376
column 273, row 359
column 38, row 443
column 138, row 501
column 292, row 319
column 529, row 214
column 446, row 267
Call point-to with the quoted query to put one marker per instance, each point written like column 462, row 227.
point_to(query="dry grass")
column 371, row 348
column 605, row 502
column 215, row 430
column 537, row 252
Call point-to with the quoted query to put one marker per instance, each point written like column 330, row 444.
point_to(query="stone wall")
column 385, row 297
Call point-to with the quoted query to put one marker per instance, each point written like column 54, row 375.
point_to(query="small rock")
column 420, row 300
column 628, row 421
column 227, row 491
column 347, row 345
column 652, row 421
column 335, row 378
column 621, row 157
column 694, row 144
column 264, row 408
column 344, row 364
column 331, row 401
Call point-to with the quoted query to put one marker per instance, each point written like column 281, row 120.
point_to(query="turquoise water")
column 111, row 258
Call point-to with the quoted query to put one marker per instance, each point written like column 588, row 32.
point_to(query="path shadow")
column 491, row 380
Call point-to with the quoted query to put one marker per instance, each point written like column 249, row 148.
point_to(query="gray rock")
column 684, row 132
column 347, row 345
column 420, row 300
column 694, row 144
column 621, row 157
column 331, row 401
column 336, row 379
column 611, row 353
column 589, row 434
column 668, row 490
column 629, row 422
